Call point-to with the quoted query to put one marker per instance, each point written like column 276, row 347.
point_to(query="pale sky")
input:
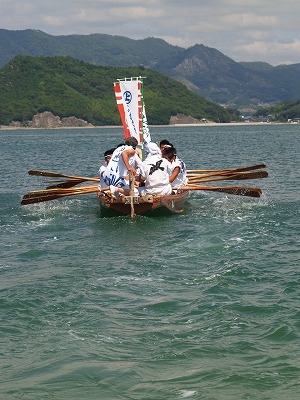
column 244, row 30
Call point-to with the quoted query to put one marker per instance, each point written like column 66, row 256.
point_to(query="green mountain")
column 202, row 69
column 68, row 87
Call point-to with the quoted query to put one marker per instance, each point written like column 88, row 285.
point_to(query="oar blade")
column 66, row 184
column 250, row 192
column 250, row 175
column 242, row 169
column 38, row 199
column 235, row 190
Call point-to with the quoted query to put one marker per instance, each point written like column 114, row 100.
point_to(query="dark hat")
column 165, row 142
column 108, row 152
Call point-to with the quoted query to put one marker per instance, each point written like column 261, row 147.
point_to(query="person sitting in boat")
column 164, row 143
column 155, row 173
column 178, row 177
column 107, row 157
column 124, row 161
column 151, row 149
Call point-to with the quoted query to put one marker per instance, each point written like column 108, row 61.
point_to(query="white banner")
column 146, row 131
column 131, row 97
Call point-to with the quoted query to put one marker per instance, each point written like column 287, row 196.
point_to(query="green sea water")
column 204, row 305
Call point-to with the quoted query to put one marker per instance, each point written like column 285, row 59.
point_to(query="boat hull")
column 143, row 205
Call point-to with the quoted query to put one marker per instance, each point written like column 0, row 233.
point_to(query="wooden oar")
column 67, row 184
column 62, row 190
column 37, row 197
column 59, row 175
column 236, row 176
column 219, row 173
column 48, row 197
column 237, row 190
column 242, row 174
column 242, row 169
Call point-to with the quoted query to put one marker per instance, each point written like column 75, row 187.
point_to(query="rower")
column 124, row 161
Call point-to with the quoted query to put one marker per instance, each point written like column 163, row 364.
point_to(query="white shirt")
column 101, row 171
column 116, row 169
column 181, row 178
column 156, row 173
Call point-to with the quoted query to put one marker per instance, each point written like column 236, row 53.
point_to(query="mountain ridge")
column 204, row 70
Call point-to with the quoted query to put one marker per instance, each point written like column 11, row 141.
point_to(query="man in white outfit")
column 155, row 172
column 178, row 177
column 124, row 161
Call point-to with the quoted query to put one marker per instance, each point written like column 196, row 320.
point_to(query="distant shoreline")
column 11, row 128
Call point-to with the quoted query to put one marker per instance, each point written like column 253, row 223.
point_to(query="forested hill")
column 68, row 87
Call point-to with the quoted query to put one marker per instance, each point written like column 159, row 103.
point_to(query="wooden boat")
column 130, row 102
column 150, row 205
